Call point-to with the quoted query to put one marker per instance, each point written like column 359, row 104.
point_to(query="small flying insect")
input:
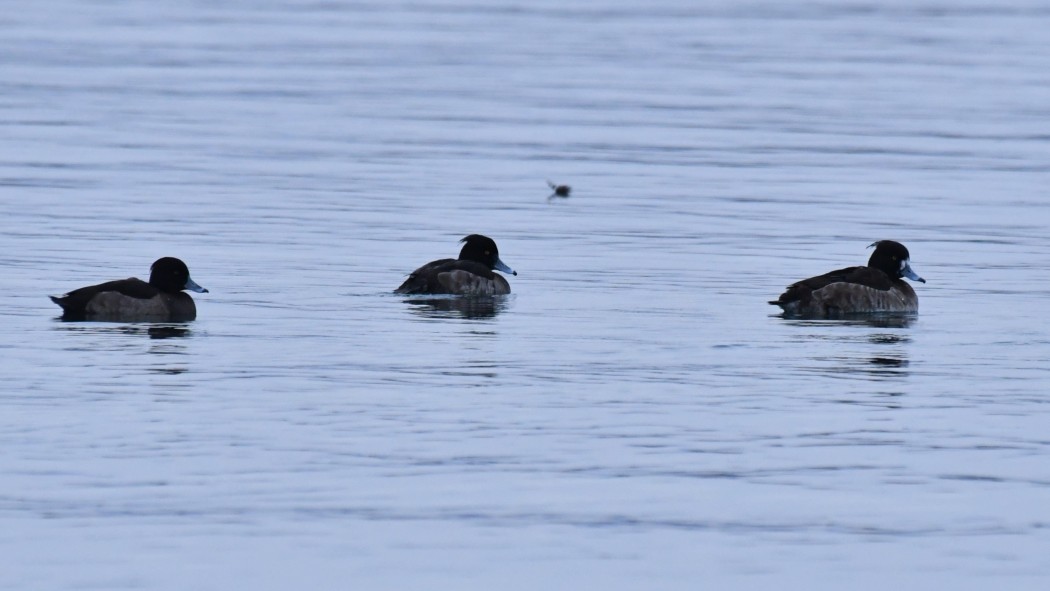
column 559, row 190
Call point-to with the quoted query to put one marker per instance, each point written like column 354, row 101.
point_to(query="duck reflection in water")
column 153, row 331
column 891, row 365
column 477, row 307
column 168, row 332
column 103, row 337
column 874, row 355
column 876, row 320
column 887, row 363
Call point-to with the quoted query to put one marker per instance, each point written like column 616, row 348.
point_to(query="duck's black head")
column 893, row 259
column 171, row 275
column 482, row 249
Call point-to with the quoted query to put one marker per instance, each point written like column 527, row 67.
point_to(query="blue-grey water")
column 634, row 415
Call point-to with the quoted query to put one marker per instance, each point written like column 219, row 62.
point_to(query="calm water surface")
column 634, row 415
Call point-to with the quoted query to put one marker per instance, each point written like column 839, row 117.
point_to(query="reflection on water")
column 890, row 366
column 153, row 331
column 163, row 340
column 889, row 361
column 173, row 371
column 877, row 355
column 167, row 332
column 881, row 320
column 472, row 307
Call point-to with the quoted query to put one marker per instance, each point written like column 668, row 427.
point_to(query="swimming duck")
column 877, row 287
column 470, row 274
column 134, row 300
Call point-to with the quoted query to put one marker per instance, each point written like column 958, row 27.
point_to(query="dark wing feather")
column 426, row 279
column 75, row 302
column 866, row 276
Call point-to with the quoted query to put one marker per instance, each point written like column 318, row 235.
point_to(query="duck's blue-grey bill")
column 192, row 286
column 501, row 266
column 907, row 272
